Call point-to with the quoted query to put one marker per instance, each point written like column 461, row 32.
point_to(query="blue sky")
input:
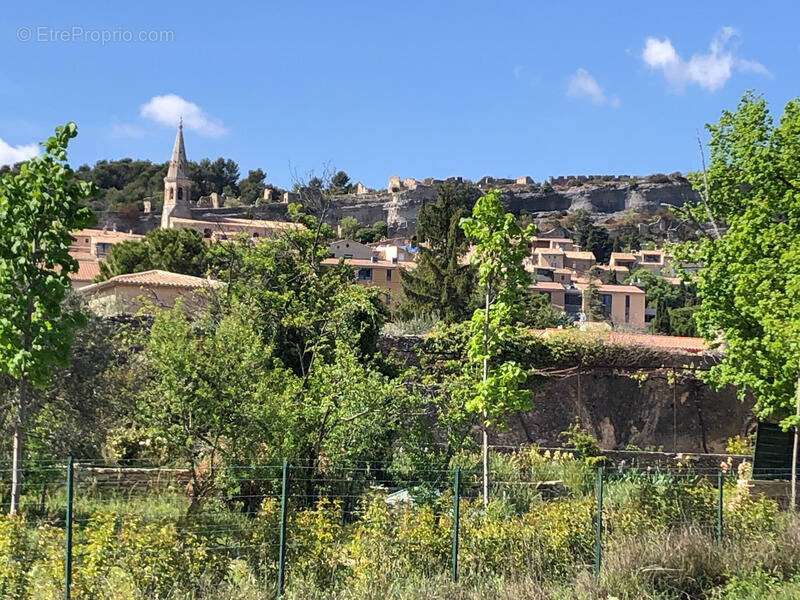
column 418, row 89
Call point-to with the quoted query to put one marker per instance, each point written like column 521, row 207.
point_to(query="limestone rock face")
column 399, row 208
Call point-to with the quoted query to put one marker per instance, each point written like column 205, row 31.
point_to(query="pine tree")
column 441, row 283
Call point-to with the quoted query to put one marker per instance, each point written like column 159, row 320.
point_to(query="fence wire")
column 547, row 516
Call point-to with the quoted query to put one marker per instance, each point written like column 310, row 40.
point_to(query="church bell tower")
column 177, row 187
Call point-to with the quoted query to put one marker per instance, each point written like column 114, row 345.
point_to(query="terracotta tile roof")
column 548, row 251
column 614, row 289
column 622, row 256
column 262, row 223
column 235, row 222
column 620, row 268
column 154, row 278
column 580, row 255
column 88, row 269
column 366, row 262
column 553, row 240
column 547, row 286
column 665, row 342
column 100, row 235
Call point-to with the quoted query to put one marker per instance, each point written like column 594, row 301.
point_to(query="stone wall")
column 619, row 410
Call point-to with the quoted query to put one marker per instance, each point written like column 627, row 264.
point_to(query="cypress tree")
column 660, row 323
column 441, row 283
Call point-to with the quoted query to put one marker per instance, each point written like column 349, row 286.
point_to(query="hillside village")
column 560, row 270
column 539, row 341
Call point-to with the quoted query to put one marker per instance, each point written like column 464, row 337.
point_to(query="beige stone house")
column 623, row 305
column 376, row 272
column 130, row 293
column 350, row 249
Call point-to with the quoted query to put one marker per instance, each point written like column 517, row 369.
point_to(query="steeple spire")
column 177, row 187
column 177, row 164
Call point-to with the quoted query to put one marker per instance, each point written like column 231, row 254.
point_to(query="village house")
column 376, row 272
column 350, row 249
column 131, row 292
column 656, row 261
column 395, row 252
column 622, row 305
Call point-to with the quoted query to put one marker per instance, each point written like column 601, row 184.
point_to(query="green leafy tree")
column 366, row 235
column 348, row 227
column 124, row 181
column 500, row 247
column 208, row 177
column 441, row 283
column 681, row 321
column 661, row 323
column 593, row 304
column 39, row 208
column 72, row 414
column 340, row 183
column 381, row 229
column 657, row 289
column 175, row 250
column 213, row 392
column 303, row 307
column 750, row 284
column 252, row 187
column 589, row 236
column 537, row 312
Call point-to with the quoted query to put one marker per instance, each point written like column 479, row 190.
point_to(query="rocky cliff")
column 401, row 201
column 399, row 205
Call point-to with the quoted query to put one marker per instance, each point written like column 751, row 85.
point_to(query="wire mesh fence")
column 327, row 525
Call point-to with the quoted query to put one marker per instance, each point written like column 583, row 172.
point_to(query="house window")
column 85, row 240
column 180, row 193
column 348, row 256
column 388, row 300
column 572, row 303
column 171, row 193
column 388, row 274
column 365, row 274
column 627, row 308
column 651, row 258
column 606, row 301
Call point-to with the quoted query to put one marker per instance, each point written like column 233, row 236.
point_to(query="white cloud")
column 582, row 85
column 518, row 71
column 10, row 155
column 170, row 108
column 710, row 71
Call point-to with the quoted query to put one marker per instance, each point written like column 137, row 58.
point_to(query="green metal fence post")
column 282, row 542
column 68, row 532
column 719, row 507
column 598, row 538
column 456, row 502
